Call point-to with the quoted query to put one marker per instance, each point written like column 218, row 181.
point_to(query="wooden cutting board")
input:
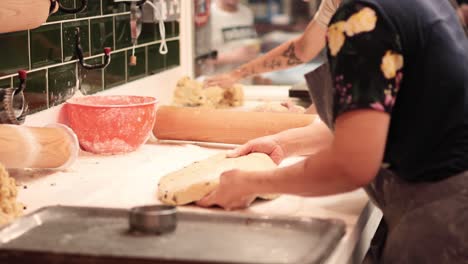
column 222, row 126
column 17, row 15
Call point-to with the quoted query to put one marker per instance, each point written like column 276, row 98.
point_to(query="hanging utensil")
column 135, row 29
column 12, row 102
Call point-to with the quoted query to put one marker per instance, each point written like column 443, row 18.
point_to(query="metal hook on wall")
column 54, row 6
column 67, row 10
column 141, row 2
column 128, row 2
column 79, row 54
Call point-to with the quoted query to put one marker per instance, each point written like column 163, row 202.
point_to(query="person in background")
column 399, row 128
column 294, row 52
column 233, row 34
column 287, row 55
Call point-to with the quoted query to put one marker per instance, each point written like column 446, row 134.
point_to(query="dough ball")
column 191, row 93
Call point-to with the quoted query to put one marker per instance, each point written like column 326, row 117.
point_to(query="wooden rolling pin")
column 222, row 126
column 17, row 15
column 54, row 147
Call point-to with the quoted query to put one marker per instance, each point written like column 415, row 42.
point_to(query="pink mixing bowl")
column 111, row 124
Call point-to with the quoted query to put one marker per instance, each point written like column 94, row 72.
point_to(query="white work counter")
column 124, row 181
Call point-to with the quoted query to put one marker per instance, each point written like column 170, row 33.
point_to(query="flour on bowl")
column 112, row 124
column 108, row 146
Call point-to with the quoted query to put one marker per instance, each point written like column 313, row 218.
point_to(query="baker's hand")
column 232, row 192
column 225, row 80
column 267, row 145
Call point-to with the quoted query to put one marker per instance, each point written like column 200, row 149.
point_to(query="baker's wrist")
column 259, row 182
column 283, row 144
column 238, row 74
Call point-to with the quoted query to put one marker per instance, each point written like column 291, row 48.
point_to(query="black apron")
column 422, row 222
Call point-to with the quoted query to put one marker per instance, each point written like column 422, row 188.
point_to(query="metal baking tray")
column 71, row 235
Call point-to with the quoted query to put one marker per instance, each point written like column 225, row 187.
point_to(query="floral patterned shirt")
column 366, row 60
column 408, row 59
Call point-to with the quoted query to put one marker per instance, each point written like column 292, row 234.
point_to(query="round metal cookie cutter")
column 153, row 219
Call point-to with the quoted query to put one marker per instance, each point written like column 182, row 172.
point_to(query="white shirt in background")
column 229, row 28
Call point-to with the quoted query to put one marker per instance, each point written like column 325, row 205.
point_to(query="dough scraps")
column 9, row 208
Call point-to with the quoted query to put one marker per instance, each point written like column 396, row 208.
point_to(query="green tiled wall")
column 48, row 53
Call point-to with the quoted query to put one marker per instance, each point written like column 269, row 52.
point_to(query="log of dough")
column 195, row 181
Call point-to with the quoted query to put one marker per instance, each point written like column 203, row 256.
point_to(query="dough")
column 233, row 96
column 191, row 93
column 9, row 208
column 286, row 107
column 195, row 181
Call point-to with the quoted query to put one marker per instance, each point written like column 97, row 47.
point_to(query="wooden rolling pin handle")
column 222, row 126
column 18, row 15
column 52, row 147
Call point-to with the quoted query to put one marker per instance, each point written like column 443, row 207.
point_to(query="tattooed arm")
column 287, row 55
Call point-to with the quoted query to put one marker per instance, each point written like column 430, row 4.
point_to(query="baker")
column 398, row 127
column 289, row 54
column 233, row 35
